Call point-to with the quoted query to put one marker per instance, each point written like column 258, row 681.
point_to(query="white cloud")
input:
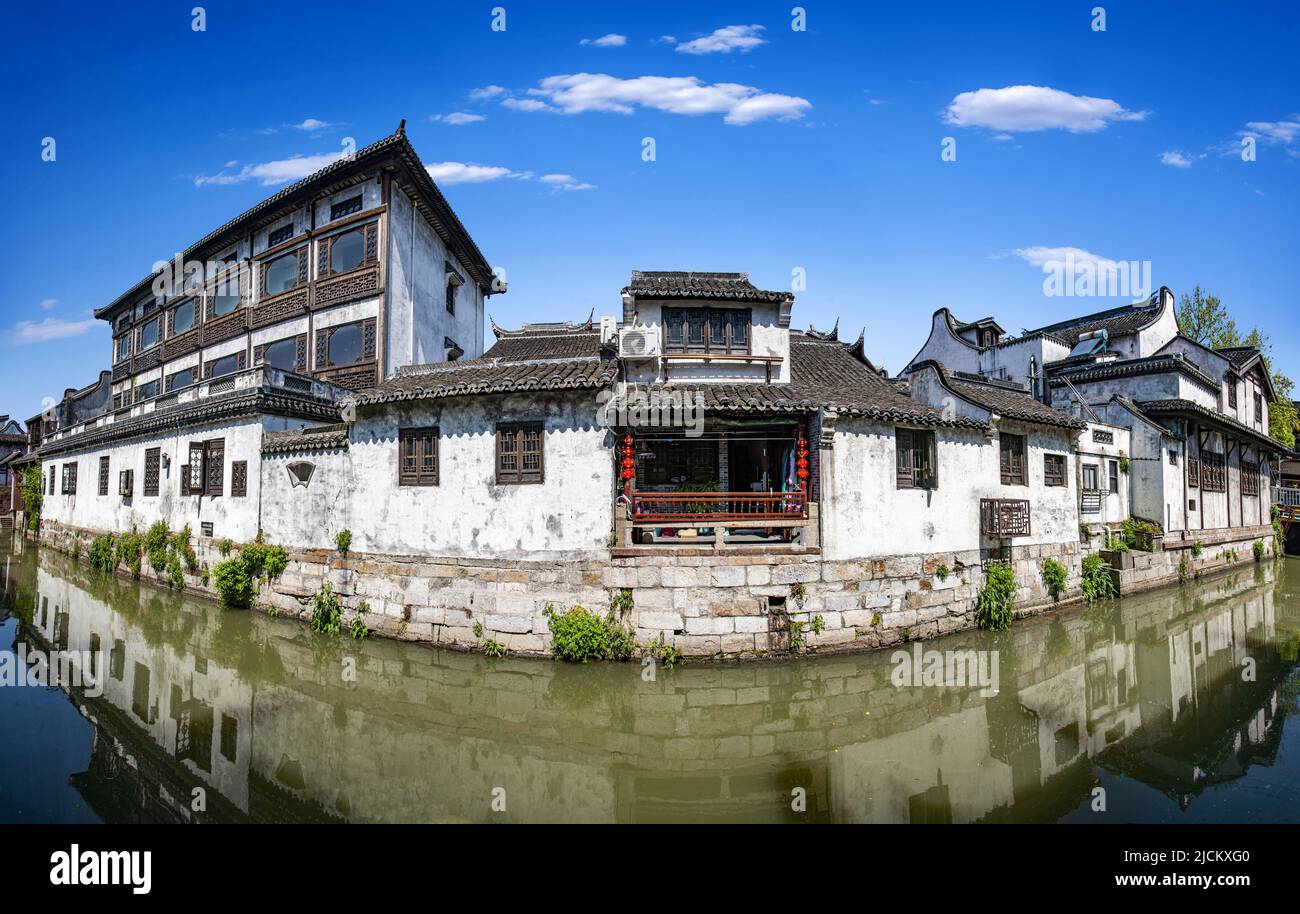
column 1023, row 109
column 469, row 173
column 526, row 104
column 49, row 304
column 1041, row 256
column 268, row 174
column 666, row 39
column 311, row 124
column 487, row 93
column 743, row 38
column 581, row 92
column 49, row 329
column 1176, row 159
column 565, row 182
column 1003, row 137
column 1285, row 133
column 612, row 40
column 456, row 118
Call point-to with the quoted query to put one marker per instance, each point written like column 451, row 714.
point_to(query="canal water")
column 1165, row 707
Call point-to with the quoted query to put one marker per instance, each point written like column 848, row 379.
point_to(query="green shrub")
column 126, row 551
column 579, row 635
column 668, row 654
column 225, row 547
column 102, row 557
column 155, row 543
column 1197, row 549
column 174, row 572
column 620, row 602
column 1183, row 565
column 1124, row 465
column 494, row 648
column 32, row 482
column 234, row 583
column 327, row 612
column 1279, row 535
column 1096, row 581
column 357, row 628
column 942, row 572
column 993, row 609
column 343, row 541
column 1054, row 576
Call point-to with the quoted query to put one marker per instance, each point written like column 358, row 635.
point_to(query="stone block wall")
column 736, row 603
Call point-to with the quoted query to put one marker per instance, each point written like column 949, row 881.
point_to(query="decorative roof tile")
column 297, row 441
column 683, row 285
column 1115, row 321
column 1169, row 407
column 1002, row 398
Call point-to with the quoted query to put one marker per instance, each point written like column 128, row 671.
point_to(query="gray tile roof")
column 1239, row 355
column 537, row 358
column 682, row 285
column 1171, row 407
column 1155, row 364
column 1002, row 398
column 1116, row 322
column 296, row 441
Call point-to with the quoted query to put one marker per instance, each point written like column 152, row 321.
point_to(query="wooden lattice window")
column 284, row 273
column 1232, row 392
column 1250, row 480
column 126, row 483
column 721, row 330
column 356, row 247
column 69, row 479
column 152, row 461
column 204, row 474
column 1102, row 437
column 279, row 236
column 917, row 462
column 345, row 207
column 238, row 478
column 345, row 344
column 1214, row 472
column 1004, row 517
column 289, row 354
column 1259, row 410
column 1012, row 459
column 1193, row 473
column 417, row 456
column 1054, row 470
column 51, row 492
column 103, row 475
column 226, row 364
column 519, row 453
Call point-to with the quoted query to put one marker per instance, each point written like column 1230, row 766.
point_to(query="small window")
column 345, row 207
column 229, row 737
column 287, row 355
column 345, row 344
column 227, row 364
column 451, row 297
column 69, row 479
column 1054, row 470
column 146, row 391
column 1259, row 410
column 281, row 274
column 1113, row 469
column 149, row 334
column 519, row 453
column 280, row 235
column 1012, row 459
column 722, row 330
column 225, row 295
column 917, row 464
column 51, row 492
column 1232, row 392
column 418, row 457
column 347, row 251
column 183, row 317
column 183, row 378
column 103, row 475
column 1173, row 457
column 238, row 478
column 152, row 459
column 1090, row 478
column 125, row 483
column 122, row 348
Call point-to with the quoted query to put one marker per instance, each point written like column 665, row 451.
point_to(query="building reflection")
column 1177, row 690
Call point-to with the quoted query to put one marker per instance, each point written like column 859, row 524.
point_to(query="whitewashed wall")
column 1114, row 505
column 467, row 514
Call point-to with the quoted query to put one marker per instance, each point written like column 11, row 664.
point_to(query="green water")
column 1166, row 707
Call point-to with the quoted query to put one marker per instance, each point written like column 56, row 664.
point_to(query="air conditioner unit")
column 638, row 343
column 608, row 329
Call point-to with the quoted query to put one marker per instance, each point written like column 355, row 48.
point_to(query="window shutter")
column 372, row 243
column 216, row 454
column 932, row 461
column 239, row 478
column 905, row 478
column 196, row 474
column 507, row 455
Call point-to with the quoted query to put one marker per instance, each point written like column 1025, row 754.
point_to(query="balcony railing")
column 723, row 508
column 1286, row 496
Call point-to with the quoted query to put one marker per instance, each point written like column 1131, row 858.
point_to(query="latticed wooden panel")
column 1004, row 517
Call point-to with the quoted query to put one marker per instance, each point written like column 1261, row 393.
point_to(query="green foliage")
column 225, row 547
column 357, row 627
column 174, row 571
column 942, row 572
column 818, row 624
column 798, row 593
column 155, row 543
column 1258, row 549
column 127, row 549
column 493, row 648
column 1279, row 534
column 1197, row 549
column 261, row 559
column 993, row 609
column 875, row 620
column 102, row 557
column 478, row 629
column 1096, row 580
column 234, row 583
column 31, row 480
column 620, row 601
column 668, row 654
column 796, row 635
column 579, row 635
column 1054, row 575
column 1183, row 566
column 327, row 612
column 1085, row 533
column 1124, row 465
column 343, row 541
column 205, row 577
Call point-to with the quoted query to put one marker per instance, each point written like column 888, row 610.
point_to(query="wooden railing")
column 1286, row 496
column 730, row 508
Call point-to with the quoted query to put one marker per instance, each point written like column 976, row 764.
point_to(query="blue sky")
column 775, row 150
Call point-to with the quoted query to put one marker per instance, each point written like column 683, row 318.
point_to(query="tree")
column 1205, row 318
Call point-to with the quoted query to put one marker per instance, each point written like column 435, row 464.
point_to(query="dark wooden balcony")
column 729, row 509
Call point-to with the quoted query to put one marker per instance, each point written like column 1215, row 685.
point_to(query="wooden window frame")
column 347, row 207
column 299, row 353
column 103, row 475
column 69, row 481
column 911, row 472
column 510, row 437
column 1055, row 471
column 369, row 249
column 300, row 276
column 206, row 467
column 51, row 492
column 273, row 237
column 422, row 441
column 1095, row 471
column 1007, row 460
column 169, row 383
column 368, row 344
column 238, row 478
column 1258, row 402
column 241, row 363
column 1232, row 392
column 708, row 319
column 1112, row 477
column 152, row 472
column 1214, row 472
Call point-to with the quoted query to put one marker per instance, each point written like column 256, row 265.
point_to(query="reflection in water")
column 1172, row 702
